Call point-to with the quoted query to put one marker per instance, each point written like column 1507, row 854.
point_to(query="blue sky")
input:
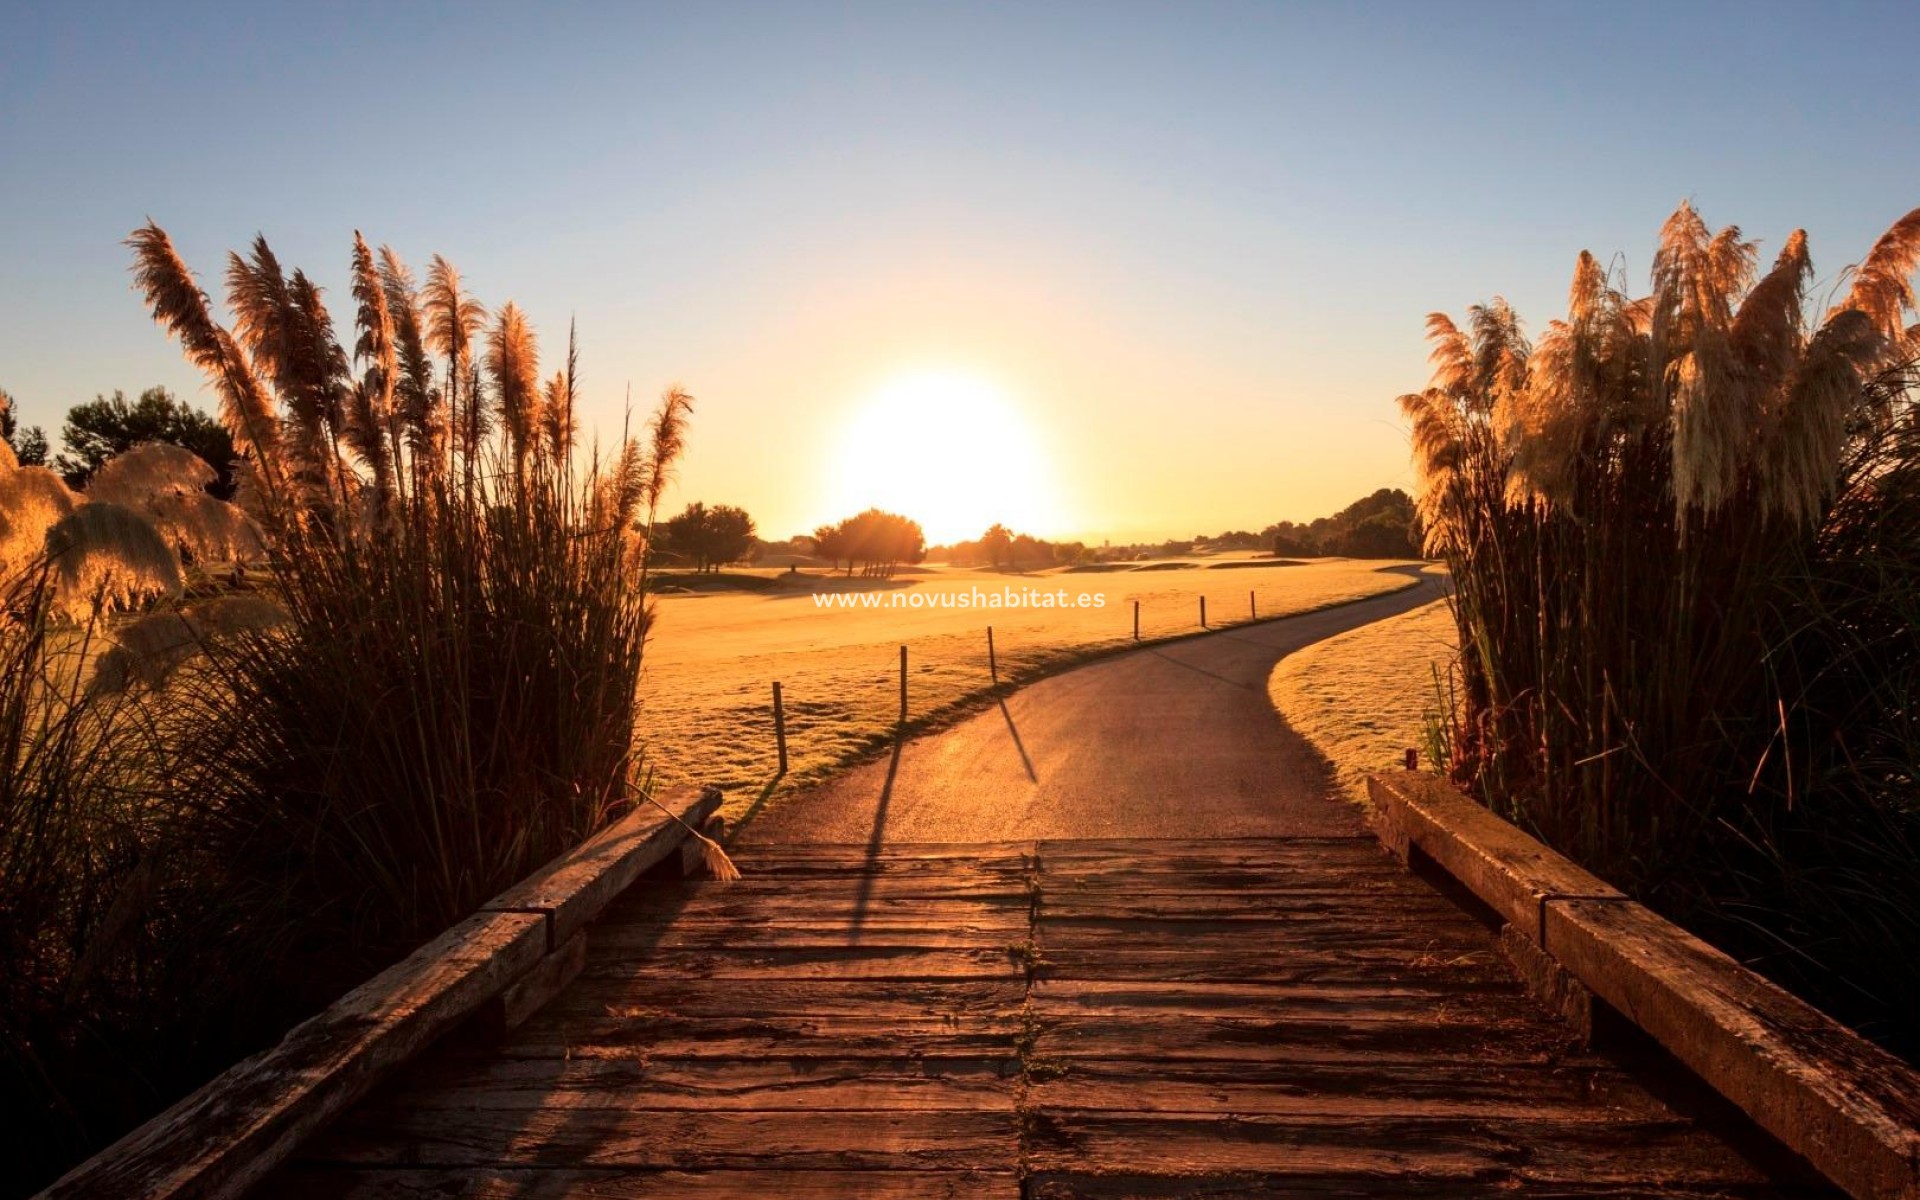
column 1194, row 245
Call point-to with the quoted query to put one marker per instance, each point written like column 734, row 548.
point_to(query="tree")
column 881, row 540
column 29, row 445
column 997, row 544
column 108, row 425
column 710, row 536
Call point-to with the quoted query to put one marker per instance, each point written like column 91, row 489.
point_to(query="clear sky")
column 1178, row 254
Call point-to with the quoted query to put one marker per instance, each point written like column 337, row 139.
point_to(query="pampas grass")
column 217, row 816
column 1659, row 518
column 106, row 556
column 466, row 613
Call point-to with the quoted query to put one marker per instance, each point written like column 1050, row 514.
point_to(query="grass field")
column 707, row 714
column 1363, row 697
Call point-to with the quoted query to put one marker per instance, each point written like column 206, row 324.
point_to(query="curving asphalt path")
column 1176, row 740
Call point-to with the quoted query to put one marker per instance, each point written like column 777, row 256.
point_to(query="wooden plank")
column 895, row 852
column 1274, row 933
column 1490, row 1155
column 617, row 1135
column 531, row 992
column 413, row 1183
column 1205, row 999
column 578, row 885
column 638, row 944
column 1412, row 1182
column 1357, row 904
column 232, row 1131
column 1511, row 872
column 694, row 999
column 762, row 908
column 1515, row 1039
column 1408, row 961
column 769, row 1084
column 1218, row 850
column 1850, row 1107
column 1379, row 1087
column 749, row 1017
column 864, row 962
column 788, row 1037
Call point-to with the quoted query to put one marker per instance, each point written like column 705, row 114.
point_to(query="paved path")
column 1176, row 740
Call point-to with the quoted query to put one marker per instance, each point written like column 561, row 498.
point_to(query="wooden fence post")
column 993, row 664
column 903, row 685
column 1203, row 612
column 780, row 726
column 1253, row 613
column 1136, row 620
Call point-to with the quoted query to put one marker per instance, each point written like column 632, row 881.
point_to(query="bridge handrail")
column 1844, row 1104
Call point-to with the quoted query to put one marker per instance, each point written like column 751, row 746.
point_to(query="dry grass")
column 707, row 715
column 1364, row 697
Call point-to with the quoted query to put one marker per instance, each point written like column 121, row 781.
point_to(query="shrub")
column 452, row 699
column 1682, row 533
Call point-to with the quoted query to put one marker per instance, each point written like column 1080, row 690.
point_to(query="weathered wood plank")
column 537, row 1183
column 1438, row 966
column 844, row 908
column 228, row 1134
column 922, row 1083
column 1326, row 1039
column 1510, row 871
column 1354, row 904
column 575, row 887
column 1379, row 999
column 1850, row 1107
column 1489, row 1153
column 641, row 996
column 923, row 931
column 864, row 962
column 531, row 992
column 788, row 1037
column 616, row 1135
column 1305, row 932
column 1428, row 1186
column 1379, row 1087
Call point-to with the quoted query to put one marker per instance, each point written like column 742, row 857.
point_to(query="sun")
column 950, row 451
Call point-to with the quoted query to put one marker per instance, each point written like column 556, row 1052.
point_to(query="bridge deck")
column 1053, row 1019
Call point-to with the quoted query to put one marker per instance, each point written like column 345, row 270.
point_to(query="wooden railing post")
column 780, row 726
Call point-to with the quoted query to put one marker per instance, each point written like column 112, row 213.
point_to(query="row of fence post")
column 993, row 672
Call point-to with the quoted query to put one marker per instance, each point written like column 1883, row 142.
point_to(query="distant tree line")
column 1000, row 547
column 108, row 425
column 878, row 542
column 707, row 538
column 1382, row 525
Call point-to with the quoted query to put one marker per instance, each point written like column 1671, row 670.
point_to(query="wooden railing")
column 495, row 967
column 1845, row 1105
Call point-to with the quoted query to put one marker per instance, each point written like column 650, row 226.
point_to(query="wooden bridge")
column 1310, row 1006
column 1297, row 1016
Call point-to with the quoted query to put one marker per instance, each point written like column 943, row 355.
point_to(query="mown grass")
column 708, row 713
column 1367, row 696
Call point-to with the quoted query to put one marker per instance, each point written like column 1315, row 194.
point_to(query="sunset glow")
column 952, row 451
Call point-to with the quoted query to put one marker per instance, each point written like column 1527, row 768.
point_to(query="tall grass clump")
column 451, row 700
column 1684, row 530
column 99, row 999
column 223, row 803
